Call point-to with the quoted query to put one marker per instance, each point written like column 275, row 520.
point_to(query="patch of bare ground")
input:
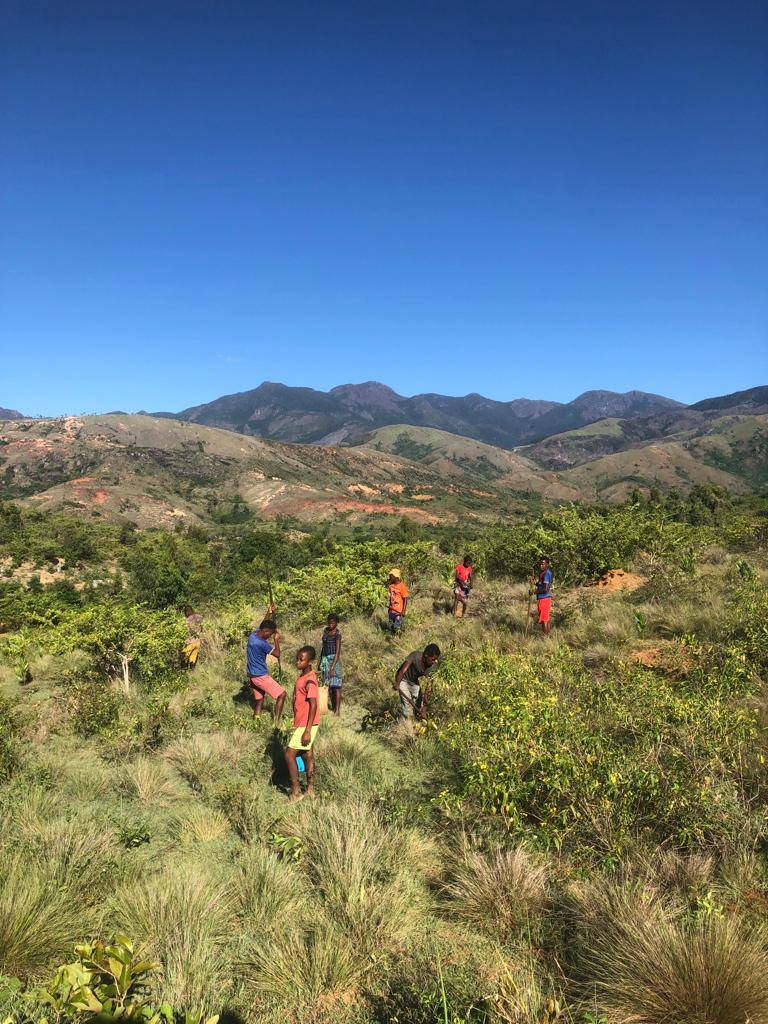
column 617, row 579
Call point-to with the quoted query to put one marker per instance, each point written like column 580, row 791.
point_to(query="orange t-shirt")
column 306, row 687
column 398, row 592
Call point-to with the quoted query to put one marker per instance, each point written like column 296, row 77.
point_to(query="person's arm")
column 337, row 655
column 399, row 674
column 276, row 645
column 311, row 712
column 405, row 605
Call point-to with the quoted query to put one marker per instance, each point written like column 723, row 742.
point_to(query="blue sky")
column 520, row 198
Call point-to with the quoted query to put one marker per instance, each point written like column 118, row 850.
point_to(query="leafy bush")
column 350, row 581
column 121, row 639
column 94, row 707
column 107, row 982
column 587, row 762
column 582, row 542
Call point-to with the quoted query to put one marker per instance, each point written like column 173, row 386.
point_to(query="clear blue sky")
column 516, row 198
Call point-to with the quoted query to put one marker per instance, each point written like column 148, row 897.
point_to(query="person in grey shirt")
column 408, row 679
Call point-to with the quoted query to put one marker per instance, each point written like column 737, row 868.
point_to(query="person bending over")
column 408, row 678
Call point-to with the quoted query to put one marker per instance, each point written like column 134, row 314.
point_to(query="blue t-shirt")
column 256, row 655
column 545, row 584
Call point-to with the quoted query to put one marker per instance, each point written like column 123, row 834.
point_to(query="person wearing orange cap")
column 398, row 600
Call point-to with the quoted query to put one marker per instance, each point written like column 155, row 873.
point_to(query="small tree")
column 123, row 639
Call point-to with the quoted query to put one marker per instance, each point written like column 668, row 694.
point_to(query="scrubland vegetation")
column 576, row 834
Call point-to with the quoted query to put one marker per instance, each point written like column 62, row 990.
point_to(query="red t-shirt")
column 306, row 687
column 463, row 572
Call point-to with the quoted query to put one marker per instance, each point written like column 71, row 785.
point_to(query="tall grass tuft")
column 645, row 963
column 78, row 856
column 199, row 824
column 367, row 873
column 149, row 781
column 356, row 764
column 199, row 759
column 316, row 975
column 181, row 919
column 499, row 892
column 268, row 890
column 38, row 922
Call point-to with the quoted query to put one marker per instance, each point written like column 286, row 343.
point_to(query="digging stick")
column 274, row 613
column 528, row 610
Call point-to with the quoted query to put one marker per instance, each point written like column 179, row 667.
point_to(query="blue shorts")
column 395, row 620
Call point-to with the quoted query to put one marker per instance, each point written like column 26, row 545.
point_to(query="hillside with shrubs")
column 576, row 832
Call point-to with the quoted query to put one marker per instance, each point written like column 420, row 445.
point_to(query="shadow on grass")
column 274, row 751
column 231, row 1017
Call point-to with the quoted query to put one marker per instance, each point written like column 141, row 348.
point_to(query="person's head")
column 332, row 621
column 544, row 564
column 467, row 561
column 395, row 576
column 188, row 610
column 267, row 629
column 305, row 657
column 431, row 654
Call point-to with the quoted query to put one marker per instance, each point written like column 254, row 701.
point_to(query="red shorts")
column 262, row 685
column 545, row 605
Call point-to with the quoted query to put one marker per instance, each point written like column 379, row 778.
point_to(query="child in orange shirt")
column 398, row 600
column 306, row 717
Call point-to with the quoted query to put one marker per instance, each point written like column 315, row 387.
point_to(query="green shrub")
column 351, row 581
column 94, row 708
column 587, row 762
column 582, row 542
column 122, row 639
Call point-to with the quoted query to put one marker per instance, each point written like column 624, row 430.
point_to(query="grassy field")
column 576, row 833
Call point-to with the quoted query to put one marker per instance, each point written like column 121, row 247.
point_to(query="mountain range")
column 346, row 414
column 159, row 470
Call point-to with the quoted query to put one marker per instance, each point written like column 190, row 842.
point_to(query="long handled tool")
column 273, row 612
column 528, row 610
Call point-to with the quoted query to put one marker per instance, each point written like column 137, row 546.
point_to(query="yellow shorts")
column 295, row 741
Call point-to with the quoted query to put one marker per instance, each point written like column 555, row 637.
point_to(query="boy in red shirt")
column 462, row 584
column 306, row 716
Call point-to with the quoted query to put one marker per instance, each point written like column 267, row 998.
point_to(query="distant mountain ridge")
column 349, row 412
column 11, row 414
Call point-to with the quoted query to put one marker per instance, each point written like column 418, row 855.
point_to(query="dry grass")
column 354, row 764
column 314, row 976
column 499, row 892
column 78, row 856
column 200, row 759
column 269, row 891
column 39, row 923
column 149, row 781
column 646, row 964
column 366, row 872
column 181, row 918
column 199, row 824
